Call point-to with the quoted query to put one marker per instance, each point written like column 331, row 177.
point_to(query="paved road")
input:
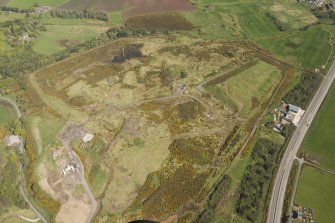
column 278, row 192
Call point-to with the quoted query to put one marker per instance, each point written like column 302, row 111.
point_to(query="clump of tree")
column 256, row 181
column 9, row 175
column 325, row 12
column 302, row 93
column 14, row 9
column 19, row 57
column 79, row 14
column 214, row 199
column 21, row 61
column 14, row 29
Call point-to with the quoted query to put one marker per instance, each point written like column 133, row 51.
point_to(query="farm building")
column 68, row 169
column 294, row 114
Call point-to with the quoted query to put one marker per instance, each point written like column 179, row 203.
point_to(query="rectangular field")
column 316, row 190
column 319, row 144
column 60, row 37
column 309, row 49
column 27, row 4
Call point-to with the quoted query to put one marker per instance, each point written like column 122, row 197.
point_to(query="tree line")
column 80, row 14
column 9, row 188
column 256, row 181
column 220, row 190
column 14, row 9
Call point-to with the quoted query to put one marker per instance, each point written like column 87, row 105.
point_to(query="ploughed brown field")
column 130, row 7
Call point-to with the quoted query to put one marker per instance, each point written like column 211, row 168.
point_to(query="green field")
column 278, row 27
column 6, row 113
column 255, row 83
column 319, row 142
column 59, row 37
column 27, row 4
column 316, row 190
column 309, row 49
column 7, row 17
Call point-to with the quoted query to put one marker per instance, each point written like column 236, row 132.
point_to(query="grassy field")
column 320, row 141
column 253, row 19
column 6, row 17
column 6, row 113
column 273, row 25
column 48, row 127
column 316, row 190
column 59, row 37
column 252, row 86
column 27, row 4
column 309, row 49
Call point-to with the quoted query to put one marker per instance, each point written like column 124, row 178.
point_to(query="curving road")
column 279, row 188
column 40, row 216
column 32, row 207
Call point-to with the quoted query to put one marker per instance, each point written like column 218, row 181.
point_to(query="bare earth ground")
column 75, row 203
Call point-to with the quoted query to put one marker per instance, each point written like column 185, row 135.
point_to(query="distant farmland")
column 3, row 2
column 161, row 21
column 130, row 7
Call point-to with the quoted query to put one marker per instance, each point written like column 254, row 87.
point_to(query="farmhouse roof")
column 294, row 108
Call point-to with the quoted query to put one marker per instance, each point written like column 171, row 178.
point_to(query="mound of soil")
column 162, row 22
column 127, row 52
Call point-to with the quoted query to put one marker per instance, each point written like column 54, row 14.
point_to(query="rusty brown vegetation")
column 172, row 21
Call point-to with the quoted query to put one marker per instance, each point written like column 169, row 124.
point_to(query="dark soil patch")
column 162, row 22
column 68, row 43
column 127, row 52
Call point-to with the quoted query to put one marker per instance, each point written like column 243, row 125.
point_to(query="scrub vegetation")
column 178, row 96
